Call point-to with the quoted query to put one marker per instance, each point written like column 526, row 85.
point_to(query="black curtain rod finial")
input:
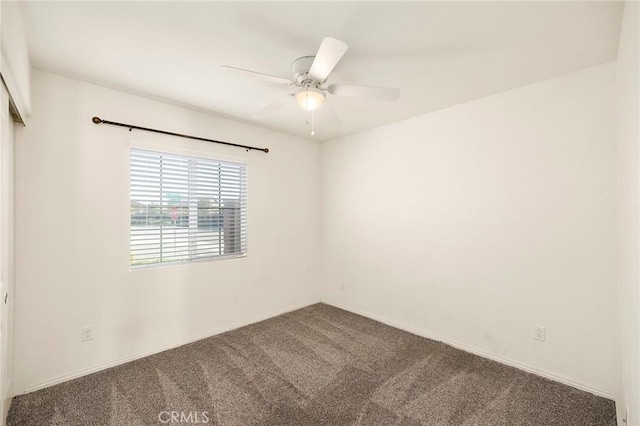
column 96, row 120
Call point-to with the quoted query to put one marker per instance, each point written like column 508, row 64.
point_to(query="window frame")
column 181, row 150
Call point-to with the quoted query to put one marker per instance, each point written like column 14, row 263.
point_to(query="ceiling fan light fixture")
column 309, row 98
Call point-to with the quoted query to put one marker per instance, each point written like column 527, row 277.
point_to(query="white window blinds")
column 186, row 208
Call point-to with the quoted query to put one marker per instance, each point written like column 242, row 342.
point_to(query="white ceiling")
column 439, row 54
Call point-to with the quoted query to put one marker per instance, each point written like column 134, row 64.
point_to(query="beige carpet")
column 315, row 366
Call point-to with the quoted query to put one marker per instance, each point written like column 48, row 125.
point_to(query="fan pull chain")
column 313, row 132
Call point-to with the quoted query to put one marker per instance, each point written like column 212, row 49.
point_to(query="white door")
column 6, row 250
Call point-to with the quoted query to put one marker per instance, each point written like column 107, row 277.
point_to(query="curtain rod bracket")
column 98, row 120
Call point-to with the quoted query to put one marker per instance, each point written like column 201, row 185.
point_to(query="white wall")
column 72, row 210
column 15, row 66
column 475, row 223
column 628, row 91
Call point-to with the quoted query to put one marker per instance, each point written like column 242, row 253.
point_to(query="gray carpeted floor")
column 315, row 366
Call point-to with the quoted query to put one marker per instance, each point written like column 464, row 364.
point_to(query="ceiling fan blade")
column 329, row 54
column 254, row 74
column 272, row 107
column 369, row 92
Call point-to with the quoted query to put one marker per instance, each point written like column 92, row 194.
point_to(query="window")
column 186, row 208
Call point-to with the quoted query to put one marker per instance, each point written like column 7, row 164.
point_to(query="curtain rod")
column 98, row 120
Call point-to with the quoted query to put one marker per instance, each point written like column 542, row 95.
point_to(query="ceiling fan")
column 310, row 75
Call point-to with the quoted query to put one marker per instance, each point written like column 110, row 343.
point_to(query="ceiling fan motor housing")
column 300, row 70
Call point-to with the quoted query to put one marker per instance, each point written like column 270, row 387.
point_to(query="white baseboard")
column 475, row 351
column 374, row 317
column 191, row 339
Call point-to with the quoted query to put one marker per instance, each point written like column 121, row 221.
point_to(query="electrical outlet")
column 87, row 333
column 539, row 333
column 342, row 286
